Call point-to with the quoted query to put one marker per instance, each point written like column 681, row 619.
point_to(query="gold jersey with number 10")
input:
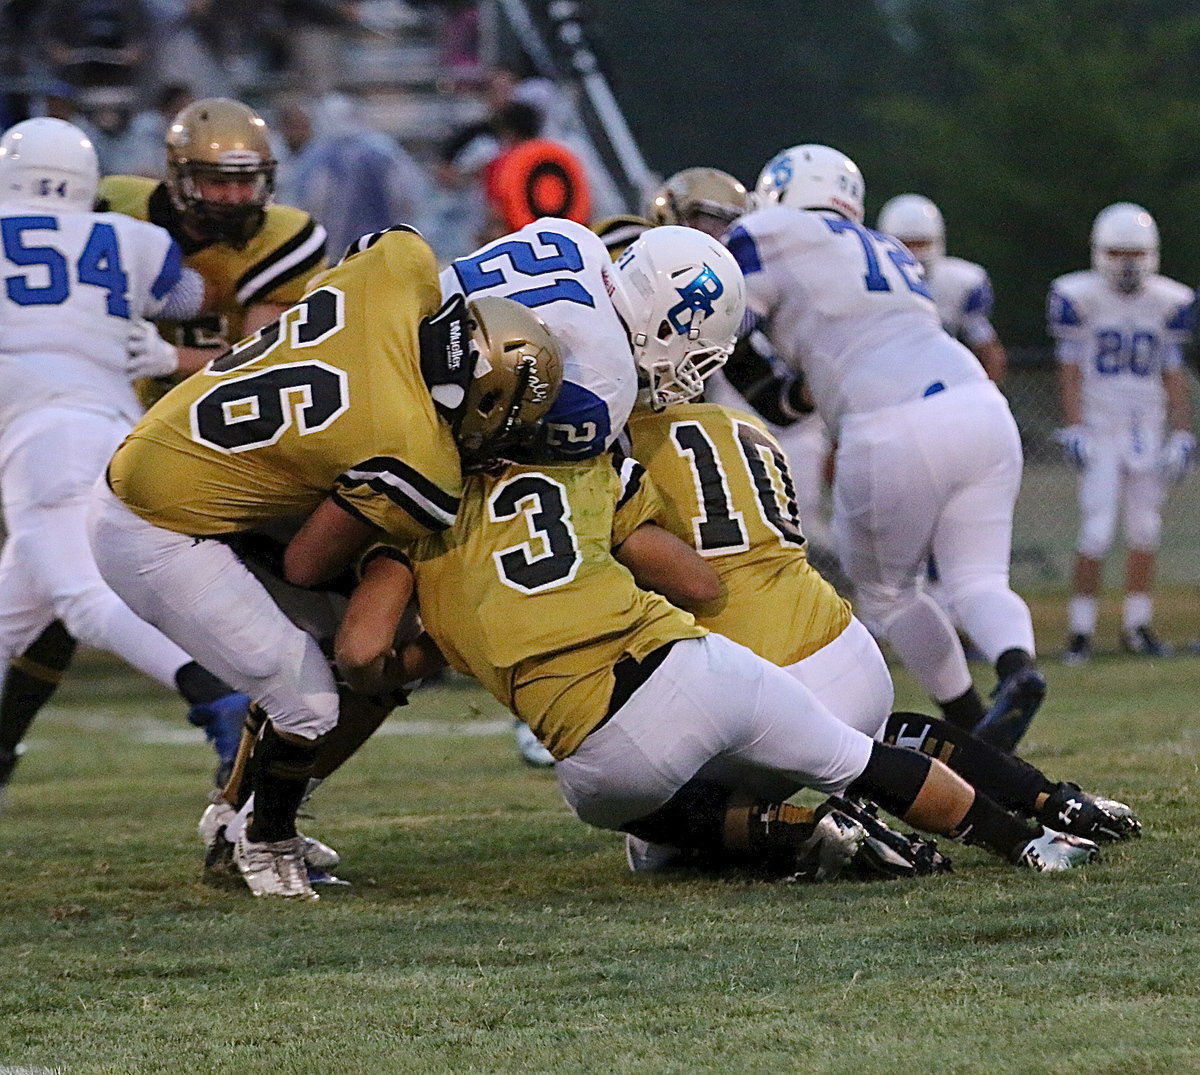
column 328, row 399
column 726, row 490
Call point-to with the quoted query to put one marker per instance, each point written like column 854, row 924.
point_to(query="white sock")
column 1081, row 615
column 1138, row 609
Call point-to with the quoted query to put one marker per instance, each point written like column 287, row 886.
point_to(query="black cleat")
column 1078, row 651
column 1072, row 810
column 1144, row 643
column 885, row 852
column 1016, row 700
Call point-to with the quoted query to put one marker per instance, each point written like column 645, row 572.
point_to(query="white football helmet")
column 682, row 297
column 48, row 164
column 813, row 177
column 1125, row 246
column 918, row 224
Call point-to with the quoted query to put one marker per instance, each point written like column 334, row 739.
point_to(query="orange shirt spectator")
column 531, row 177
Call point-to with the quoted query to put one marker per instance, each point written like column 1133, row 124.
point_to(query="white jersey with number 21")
column 560, row 270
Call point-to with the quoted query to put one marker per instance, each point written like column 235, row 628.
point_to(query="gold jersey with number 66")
column 726, row 490
column 329, row 398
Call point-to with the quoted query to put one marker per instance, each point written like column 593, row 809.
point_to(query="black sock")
column 198, row 685
column 1012, row 660
column 989, row 825
column 31, row 682
column 694, row 817
column 1011, row 781
column 281, row 772
column 965, row 711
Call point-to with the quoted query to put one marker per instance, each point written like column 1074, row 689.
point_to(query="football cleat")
column 1053, row 851
column 1072, row 810
column 219, row 827
column 1144, row 643
column 886, row 852
column 836, row 839
column 1078, row 651
column 273, row 868
column 530, row 748
column 645, row 857
column 1016, row 700
column 222, row 722
column 8, row 762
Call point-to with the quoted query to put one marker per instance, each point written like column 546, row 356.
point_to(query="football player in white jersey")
column 1119, row 330
column 961, row 290
column 928, row 458
column 620, row 327
column 78, row 287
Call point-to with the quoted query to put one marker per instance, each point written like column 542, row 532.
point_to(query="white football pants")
column 197, row 592
column 716, row 711
column 936, row 475
column 49, row 459
column 1116, row 478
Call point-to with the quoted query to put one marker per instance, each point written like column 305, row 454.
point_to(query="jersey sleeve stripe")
column 631, row 473
column 431, row 506
column 300, row 253
column 365, row 242
column 168, row 275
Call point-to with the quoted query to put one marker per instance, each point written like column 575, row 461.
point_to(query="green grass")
column 488, row 931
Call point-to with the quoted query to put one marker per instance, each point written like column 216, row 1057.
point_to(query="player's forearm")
column 1179, row 401
column 1070, row 390
column 993, row 359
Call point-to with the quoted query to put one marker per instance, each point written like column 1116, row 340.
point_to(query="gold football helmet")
column 220, row 171
column 703, row 198
column 619, row 231
column 517, row 374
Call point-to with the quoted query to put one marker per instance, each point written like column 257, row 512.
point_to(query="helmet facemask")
column 1125, row 246
column 235, row 223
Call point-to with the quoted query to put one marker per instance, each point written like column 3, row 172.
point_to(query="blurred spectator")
column 17, row 18
column 94, row 43
column 531, row 176
column 305, row 40
column 188, row 46
column 352, row 179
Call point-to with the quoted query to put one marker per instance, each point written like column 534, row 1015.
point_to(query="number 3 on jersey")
column 555, row 558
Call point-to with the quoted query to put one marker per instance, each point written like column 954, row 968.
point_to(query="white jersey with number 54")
column 73, row 282
column 559, row 269
column 847, row 306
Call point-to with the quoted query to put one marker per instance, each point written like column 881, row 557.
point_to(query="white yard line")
column 143, row 727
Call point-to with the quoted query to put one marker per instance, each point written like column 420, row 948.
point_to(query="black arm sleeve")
column 778, row 397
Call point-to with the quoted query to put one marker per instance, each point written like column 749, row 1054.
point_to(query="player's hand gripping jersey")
column 96, row 272
column 849, row 306
column 274, row 266
column 525, row 595
column 329, row 398
column 561, row 270
column 1122, row 343
column 708, row 465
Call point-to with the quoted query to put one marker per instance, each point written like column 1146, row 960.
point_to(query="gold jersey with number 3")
column 726, row 490
column 524, row 593
column 328, row 399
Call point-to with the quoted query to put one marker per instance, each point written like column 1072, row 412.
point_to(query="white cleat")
column 531, row 750
column 220, row 826
column 645, row 857
column 1053, row 851
column 834, row 842
column 274, row 869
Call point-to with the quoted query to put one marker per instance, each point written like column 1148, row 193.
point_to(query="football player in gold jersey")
column 660, row 728
column 723, row 486
column 255, row 258
column 365, row 392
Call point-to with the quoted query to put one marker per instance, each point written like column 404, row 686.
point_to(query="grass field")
column 488, row 931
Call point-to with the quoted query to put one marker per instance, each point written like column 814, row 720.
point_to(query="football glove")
column 1074, row 441
column 149, row 354
column 1178, row 455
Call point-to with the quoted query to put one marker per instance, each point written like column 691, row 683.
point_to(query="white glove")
column 1074, row 441
column 149, row 354
column 1178, row 455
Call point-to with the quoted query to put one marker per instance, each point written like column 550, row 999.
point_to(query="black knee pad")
column 694, row 817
